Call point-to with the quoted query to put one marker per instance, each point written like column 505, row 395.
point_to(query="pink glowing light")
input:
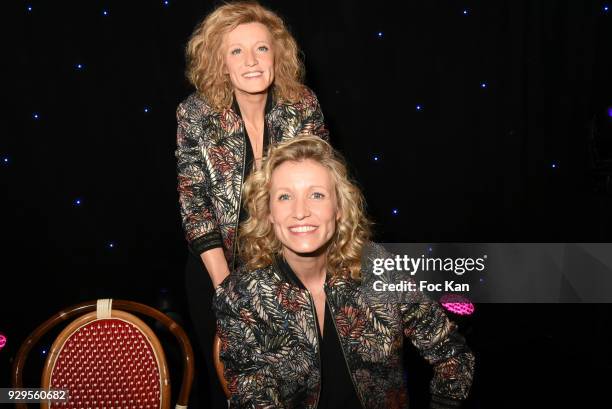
column 457, row 304
column 2, row 340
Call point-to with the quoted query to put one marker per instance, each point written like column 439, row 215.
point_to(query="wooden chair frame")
column 219, row 367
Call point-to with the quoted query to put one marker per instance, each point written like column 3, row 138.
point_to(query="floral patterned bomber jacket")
column 269, row 340
column 211, row 163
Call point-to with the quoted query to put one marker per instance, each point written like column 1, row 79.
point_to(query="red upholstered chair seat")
column 108, row 358
column 108, row 363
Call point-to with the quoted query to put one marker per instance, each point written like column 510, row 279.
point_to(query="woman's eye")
column 283, row 196
column 235, row 51
column 263, row 48
column 318, row 195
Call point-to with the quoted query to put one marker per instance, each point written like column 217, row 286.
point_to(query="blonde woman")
column 244, row 65
column 298, row 328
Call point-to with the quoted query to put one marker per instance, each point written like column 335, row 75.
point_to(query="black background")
column 474, row 164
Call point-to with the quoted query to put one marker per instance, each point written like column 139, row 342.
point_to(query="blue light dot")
column 482, row 280
column 376, row 158
column 77, row 202
column 380, row 34
column 44, row 352
column 554, row 166
column 419, row 107
column 610, row 112
column 29, row 8
column 430, row 249
column 166, row 3
column 104, row 12
column 465, row 12
column 5, row 160
column 111, row 245
column 483, row 85
column 146, row 110
column 79, row 66
column 35, row 115
column 606, row 8
column 395, row 212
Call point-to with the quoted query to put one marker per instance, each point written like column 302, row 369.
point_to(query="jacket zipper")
column 314, row 315
column 344, row 353
column 235, row 246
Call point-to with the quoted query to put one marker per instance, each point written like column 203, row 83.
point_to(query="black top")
column 337, row 389
column 249, row 160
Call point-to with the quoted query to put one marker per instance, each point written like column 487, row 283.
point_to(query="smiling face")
column 249, row 58
column 303, row 207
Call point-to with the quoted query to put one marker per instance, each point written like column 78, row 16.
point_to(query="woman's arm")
column 250, row 378
column 313, row 122
column 216, row 265
column 439, row 342
column 425, row 323
column 197, row 214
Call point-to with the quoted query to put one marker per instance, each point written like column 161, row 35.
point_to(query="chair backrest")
column 219, row 365
column 109, row 358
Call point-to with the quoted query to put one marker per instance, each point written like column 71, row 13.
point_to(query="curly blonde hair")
column 204, row 54
column 258, row 243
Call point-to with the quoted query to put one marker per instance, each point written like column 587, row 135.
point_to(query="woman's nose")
column 250, row 59
column 301, row 210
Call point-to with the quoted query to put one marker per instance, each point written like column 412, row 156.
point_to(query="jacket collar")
column 286, row 271
column 288, row 275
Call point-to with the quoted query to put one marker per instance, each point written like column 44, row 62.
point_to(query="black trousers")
column 208, row 392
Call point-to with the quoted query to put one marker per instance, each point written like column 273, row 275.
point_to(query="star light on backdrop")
column 43, row 350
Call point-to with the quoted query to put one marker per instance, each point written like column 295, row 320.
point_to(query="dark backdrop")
column 463, row 121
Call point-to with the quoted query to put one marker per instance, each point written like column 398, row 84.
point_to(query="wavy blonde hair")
column 258, row 243
column 205, row 62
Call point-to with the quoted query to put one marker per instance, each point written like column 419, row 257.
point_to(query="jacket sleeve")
column 250, row 377
column 439, row 342
column 312, row 121
column 198, row 218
